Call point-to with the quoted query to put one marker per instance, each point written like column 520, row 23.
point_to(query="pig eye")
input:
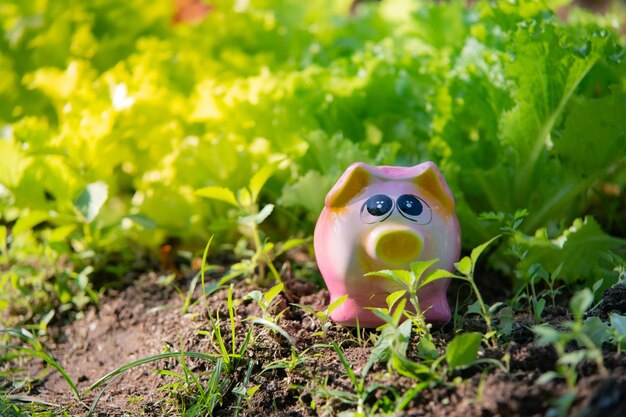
column 376, row 209
column 414, row 208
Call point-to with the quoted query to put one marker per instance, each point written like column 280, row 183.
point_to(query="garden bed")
column 147, row 319
column 134, row 132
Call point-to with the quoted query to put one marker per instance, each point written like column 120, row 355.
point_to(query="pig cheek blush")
column 385, row 217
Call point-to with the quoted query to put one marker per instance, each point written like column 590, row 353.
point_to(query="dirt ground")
column 146, row 319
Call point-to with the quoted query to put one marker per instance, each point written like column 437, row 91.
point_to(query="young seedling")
column 393, row 341
column 242, row 391
column 359, row 398
column 296, row 359
column 232, row 358
column 37, row 350
column 410, row 282
column 250, row 216
column 585, row 334
column 538, row 300
column 462, row 352
column 617, row 331
column 264, row 300
column 467, row 267
column 415, row 279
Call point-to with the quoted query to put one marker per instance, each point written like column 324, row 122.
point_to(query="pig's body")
column 379, row 218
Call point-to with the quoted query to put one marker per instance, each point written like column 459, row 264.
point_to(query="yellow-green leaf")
column 259, row 179
column 59, row 234
column 464, row 266
column 29, row 221
column 13, row 162
column 218, row 193
column 339, row 301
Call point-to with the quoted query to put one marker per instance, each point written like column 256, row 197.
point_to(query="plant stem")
column 261, row 254
column 486, row 314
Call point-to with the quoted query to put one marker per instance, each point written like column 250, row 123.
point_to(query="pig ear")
column 431, row 180
column 351, row 184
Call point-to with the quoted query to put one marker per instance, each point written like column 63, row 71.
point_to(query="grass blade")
column 345, row 364
column 148, row 359
column 50, row 361
column 274, row 327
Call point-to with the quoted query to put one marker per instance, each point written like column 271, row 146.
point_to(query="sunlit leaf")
column 434, row 276
column 258, row 180
column 464, row 266
column 91, row 200
column 393, row 298
column 14, row 163
column 270, row 294
column 61, row 233
column 338, row 302
column 418, row 268
column 29, row 221
column 478, row 250
column 218, row 193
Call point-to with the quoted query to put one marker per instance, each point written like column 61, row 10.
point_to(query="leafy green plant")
column 392, row 344
column 617, row 331
column 230, row 358
column 393, row 341
column 37, row 350
column 410, row 283
column 361, row 392
column 462, row 351
column 589, row 335
column 251, row 216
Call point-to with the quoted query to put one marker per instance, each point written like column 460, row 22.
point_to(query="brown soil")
column 147, row 319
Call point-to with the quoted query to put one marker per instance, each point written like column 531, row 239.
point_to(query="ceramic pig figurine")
column 383, row 217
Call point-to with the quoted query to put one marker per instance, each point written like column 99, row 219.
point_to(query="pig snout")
column 394, row 245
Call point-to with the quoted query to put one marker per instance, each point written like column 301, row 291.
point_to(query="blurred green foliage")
column 112, row 117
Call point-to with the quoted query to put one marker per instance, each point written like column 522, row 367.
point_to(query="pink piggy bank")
column 385, row 217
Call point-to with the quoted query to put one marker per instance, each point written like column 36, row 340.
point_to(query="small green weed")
column 358, row 398
column 264, row 300
column 250, row 218
column 587, row 335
